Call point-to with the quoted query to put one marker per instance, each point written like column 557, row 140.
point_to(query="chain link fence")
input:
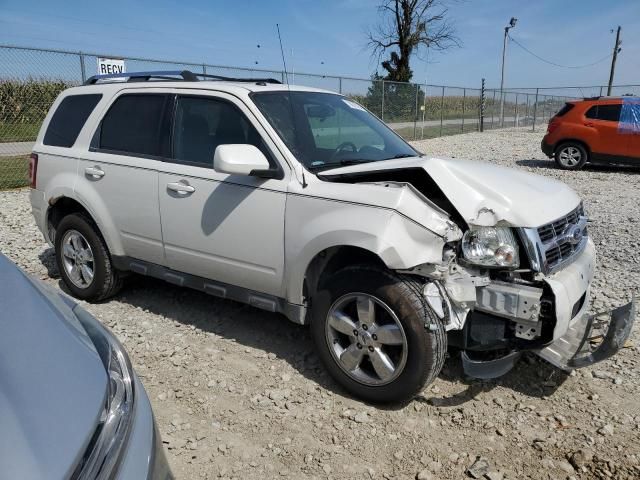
column 30, row 80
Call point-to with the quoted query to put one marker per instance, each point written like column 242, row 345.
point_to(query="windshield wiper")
column 354, row 161
column 401, row 155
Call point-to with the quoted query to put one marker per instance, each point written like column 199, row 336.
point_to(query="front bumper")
column 144, row 456
column 579, row 339
column 591, row 338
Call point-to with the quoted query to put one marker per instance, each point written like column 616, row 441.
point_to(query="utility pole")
column 512, row 23
column 616, row 50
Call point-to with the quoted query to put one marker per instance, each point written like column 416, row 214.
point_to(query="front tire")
column 571, row 156
column 376, row 334
column 83, row 259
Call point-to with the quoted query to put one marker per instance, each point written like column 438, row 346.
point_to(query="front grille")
column 554, row 229
column 556, row 243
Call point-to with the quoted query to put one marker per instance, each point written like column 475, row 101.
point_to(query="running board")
column 270, row 303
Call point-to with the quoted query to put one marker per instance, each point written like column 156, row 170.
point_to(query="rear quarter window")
column 566, row 108
column 69, row 118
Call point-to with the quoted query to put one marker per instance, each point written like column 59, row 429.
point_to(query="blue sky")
column 330, row 36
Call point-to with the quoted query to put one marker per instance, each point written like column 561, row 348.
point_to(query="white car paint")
column 487, row 194
column 263, row 234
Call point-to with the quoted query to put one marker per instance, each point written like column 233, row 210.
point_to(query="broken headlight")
column 491, row 247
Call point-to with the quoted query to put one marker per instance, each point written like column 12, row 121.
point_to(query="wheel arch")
column 331, row 259
column 65, row 204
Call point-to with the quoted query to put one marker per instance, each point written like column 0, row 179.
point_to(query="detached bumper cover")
column 591, row 339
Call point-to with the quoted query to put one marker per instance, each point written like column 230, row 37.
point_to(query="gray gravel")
column 239, row 393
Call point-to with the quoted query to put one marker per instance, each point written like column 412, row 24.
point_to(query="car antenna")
column 286, row 76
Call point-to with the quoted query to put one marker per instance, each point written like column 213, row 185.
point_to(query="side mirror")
column 239, row 159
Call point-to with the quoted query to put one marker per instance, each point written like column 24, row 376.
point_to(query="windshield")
column 324, row 130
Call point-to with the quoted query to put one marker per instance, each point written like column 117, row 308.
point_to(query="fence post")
column 493, row 106
column 204, row 69
column 83, row 73
column 482, row 94
column 415, row 114
column 600, row 90
column 339, row 84
column 544, row 107
column 535, row 110
column 515, row 112
column 464, row 97
column 382, row 107
column 441, row 109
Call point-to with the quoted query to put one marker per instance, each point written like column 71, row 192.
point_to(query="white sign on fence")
column 111, row 65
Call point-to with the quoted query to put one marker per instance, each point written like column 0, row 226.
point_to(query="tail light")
column 552, row 125
column 33, row 169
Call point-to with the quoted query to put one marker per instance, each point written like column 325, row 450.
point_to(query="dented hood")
column 484, row 194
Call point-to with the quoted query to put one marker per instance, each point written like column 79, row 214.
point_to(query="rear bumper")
column 547, row 148
column 39, row 211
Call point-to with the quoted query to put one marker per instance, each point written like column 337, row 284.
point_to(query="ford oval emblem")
column 575, row 235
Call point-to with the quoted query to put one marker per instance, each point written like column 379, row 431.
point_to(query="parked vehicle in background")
column 300, row 201
column 592, row 131
column 71, row 406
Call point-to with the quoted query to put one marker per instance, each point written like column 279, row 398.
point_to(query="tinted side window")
column 592, row 112
column 137, row 124
column 604, row 112
column 69, row 118
column 201, row 124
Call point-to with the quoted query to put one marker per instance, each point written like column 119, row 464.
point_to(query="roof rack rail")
column 168, row 75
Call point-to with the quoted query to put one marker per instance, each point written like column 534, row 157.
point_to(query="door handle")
column 181, row 187
column 95, row 172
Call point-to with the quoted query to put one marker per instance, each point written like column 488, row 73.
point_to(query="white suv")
column 300, row 201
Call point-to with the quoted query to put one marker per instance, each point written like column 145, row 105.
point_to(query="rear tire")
column 402, row 349
column 83, row 259
column 571, row 156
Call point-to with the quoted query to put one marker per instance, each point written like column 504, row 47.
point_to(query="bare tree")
column 407, row 26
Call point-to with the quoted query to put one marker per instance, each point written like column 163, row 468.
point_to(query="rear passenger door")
column 606, row 140
column 119, row 175
column 228, row 228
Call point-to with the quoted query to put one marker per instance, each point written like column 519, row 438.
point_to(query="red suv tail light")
column 33, row 169
column 553, row 124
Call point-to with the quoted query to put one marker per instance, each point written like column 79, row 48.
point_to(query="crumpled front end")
column 493, row 316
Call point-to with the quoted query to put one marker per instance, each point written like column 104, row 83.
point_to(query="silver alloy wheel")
column 77, row 258
column 570, row 156
column 366, row 339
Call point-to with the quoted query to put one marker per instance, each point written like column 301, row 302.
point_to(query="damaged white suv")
column 300, row 201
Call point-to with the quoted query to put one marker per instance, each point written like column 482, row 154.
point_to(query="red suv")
column 591, row 131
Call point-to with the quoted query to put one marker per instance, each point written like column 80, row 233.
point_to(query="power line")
column 557, row 64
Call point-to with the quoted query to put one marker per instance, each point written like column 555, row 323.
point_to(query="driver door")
column 228, row 228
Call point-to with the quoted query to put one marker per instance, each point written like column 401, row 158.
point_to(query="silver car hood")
column 484, row 194
column 52, row 381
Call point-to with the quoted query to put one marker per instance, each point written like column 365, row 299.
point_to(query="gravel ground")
column 239, row 393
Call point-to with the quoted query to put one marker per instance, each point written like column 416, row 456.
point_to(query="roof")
column 236, row 88
column 187, row 80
